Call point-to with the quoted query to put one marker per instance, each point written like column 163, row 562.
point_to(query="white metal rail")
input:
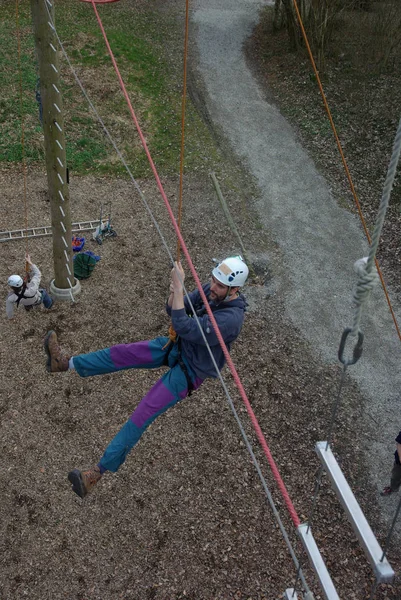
column 383, row 571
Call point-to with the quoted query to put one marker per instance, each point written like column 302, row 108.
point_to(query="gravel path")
column 185, row 518
column 318, row 240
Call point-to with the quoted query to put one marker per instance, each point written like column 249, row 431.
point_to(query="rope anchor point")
column 357, row 351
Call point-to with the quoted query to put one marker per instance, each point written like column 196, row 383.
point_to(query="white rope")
column 365, row 267
column 363, row 288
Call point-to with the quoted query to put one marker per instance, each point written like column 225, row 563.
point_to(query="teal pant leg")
column 169, row 390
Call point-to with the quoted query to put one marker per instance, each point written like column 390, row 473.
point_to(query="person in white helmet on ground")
column 27, row 293
column 187, row 357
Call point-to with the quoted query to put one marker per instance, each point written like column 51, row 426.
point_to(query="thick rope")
column 259, row 433
column 365, row 267
column 347, row 171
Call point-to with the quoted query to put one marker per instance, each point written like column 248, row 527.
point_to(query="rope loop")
column 366, row 282
column 357, row 351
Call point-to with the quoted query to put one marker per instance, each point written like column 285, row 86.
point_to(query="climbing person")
column 28, row 293
column 395, row 481
column 186, row 355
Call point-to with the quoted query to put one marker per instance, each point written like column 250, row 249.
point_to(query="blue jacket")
column 229, row 317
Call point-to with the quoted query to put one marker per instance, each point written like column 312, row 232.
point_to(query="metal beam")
column 317, row 562
column 383, row 571
column 290, row 594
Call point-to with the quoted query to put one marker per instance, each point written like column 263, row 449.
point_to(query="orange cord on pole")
column 347, row 171
column 172, row 334
column 22, row 129
column 183, row 104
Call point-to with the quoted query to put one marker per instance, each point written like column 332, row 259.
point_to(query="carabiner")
column 357, row 352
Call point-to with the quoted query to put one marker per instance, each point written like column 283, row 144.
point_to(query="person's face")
column 218, row 291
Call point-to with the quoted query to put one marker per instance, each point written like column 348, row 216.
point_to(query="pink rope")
column 259, row 433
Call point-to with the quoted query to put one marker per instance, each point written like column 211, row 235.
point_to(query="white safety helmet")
column 15, row 281
column 232, row 271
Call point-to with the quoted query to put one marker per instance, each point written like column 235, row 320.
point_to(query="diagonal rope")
column 258, row 430
column 22, row 126
column 366, row 269
column 267, row 452
column 347, row 171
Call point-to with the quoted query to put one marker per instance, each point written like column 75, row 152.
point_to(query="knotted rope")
column 365, row 267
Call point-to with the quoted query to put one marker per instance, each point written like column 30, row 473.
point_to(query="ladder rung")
column 317, row 561
column 383, row 571
column 19, row 234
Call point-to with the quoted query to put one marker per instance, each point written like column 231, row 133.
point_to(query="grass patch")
column 139, row 39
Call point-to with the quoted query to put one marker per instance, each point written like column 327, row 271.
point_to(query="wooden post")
column 47, row 54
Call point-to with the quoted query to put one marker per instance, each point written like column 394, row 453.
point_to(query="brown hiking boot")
column 56, row 360
column 84, row 481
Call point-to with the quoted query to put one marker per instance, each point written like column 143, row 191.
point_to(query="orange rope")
column 344, row 162
column 184, row 95
column 172, row 334
column 22, row 127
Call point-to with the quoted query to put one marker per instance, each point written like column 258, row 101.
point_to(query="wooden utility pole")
column 64, row 285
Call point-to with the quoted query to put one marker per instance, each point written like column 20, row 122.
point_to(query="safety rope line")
column 183, row 105
column 366, row 280
column 297, row 564
column 347, row 171
column 334, row 411
column 283, row 530
column 258, row 430
column 255, row 424
column 22, row 128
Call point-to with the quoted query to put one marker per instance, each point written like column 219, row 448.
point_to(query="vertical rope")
column 22, row 126
column 365, row 268
column 347, row 171
column 183, row 104
column 230, row 364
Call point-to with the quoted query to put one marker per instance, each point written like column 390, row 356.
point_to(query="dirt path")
column 319, row 241
column 185, row 517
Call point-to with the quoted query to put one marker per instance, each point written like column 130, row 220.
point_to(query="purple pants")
column 170, row 389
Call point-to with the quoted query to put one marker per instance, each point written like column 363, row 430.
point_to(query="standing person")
column 395, row 482
column 29, row 294
column 188, row 358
